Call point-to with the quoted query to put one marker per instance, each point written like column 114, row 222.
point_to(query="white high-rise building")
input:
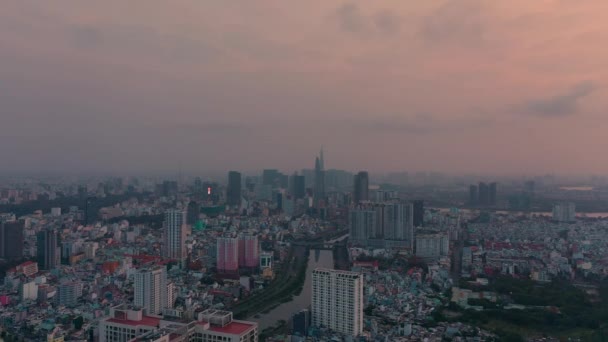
column 337, row 300
column 175, row 234
column 564, row 212
column 152, row 292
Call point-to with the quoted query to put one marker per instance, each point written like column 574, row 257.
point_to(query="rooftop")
column 235, row 328
column 146, row 320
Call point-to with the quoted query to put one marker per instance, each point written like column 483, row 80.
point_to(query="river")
column 537, row 213
column 316, row 258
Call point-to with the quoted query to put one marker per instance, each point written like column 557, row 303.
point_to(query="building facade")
column 233, row 191
column 227, row 255
column 151, row 290
column 337, row 300
column 175, row 231
column 361, row 187
column 11, row 240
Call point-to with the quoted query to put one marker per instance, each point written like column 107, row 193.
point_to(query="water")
column 316, row 258
column 577, row 188
column 537, row 213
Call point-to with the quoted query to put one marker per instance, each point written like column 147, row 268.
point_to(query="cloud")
column 456, row 21
column 387, row 21
column 563, row 104
column 351, row 19
column 85, row 36
column 418, row 124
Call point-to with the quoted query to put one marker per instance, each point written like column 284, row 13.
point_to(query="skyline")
column 460, row 86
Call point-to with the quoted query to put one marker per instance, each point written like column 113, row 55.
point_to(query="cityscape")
column 313, row 255
column 319, row 171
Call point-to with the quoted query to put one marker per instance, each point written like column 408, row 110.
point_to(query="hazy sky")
column 513, row 86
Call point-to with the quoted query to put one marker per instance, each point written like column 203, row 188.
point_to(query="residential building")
column 227, row 255
column 249, row 251
column 151, row 290
column 564, row 212
column 337, row 300
column 175, row 231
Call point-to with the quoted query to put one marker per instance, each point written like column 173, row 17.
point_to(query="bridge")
column 320, row 244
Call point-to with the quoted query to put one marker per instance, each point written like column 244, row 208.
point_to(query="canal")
column 316, row 258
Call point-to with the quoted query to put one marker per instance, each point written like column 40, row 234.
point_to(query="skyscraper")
column 319, row 189
column 48, row 252
column 151, row 290
column 362, row 224
column 227, row 255
column 492, row 193
column 484, row 194
column 473, row 195
column 418, row 213
column 175, row 234
column 194, row 211
column 90, row 210
column 249, row 251
column 398, row 224
column 233, row 193
column 11, row 240
column 270, row 177
column 361, row 187
column 337, row 300
column 298, row 186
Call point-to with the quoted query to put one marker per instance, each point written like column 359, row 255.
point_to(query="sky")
column 456, row 86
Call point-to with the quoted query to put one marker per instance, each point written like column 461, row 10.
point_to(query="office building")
column 270, row 177
column 300, row 323
column 151, row 290
column 564, row 212
column 484, row 193
column 233, row 192
column 473, row 195
column 298, row 184
column 492, row 193
column 249, row 251
column 133, row 324
column 175, row 231
column 338, row 180
column 337, row 300
column 361, row 187
column 529, row 186
column 218, row 325
column 319, row 184
column 227, row 255
column 194, row 211
column 125, row 324
column 91, row 210
column 48, row 251
column 418, row 213
column 11, row 240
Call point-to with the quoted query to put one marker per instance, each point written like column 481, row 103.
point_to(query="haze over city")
column 454, row 86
